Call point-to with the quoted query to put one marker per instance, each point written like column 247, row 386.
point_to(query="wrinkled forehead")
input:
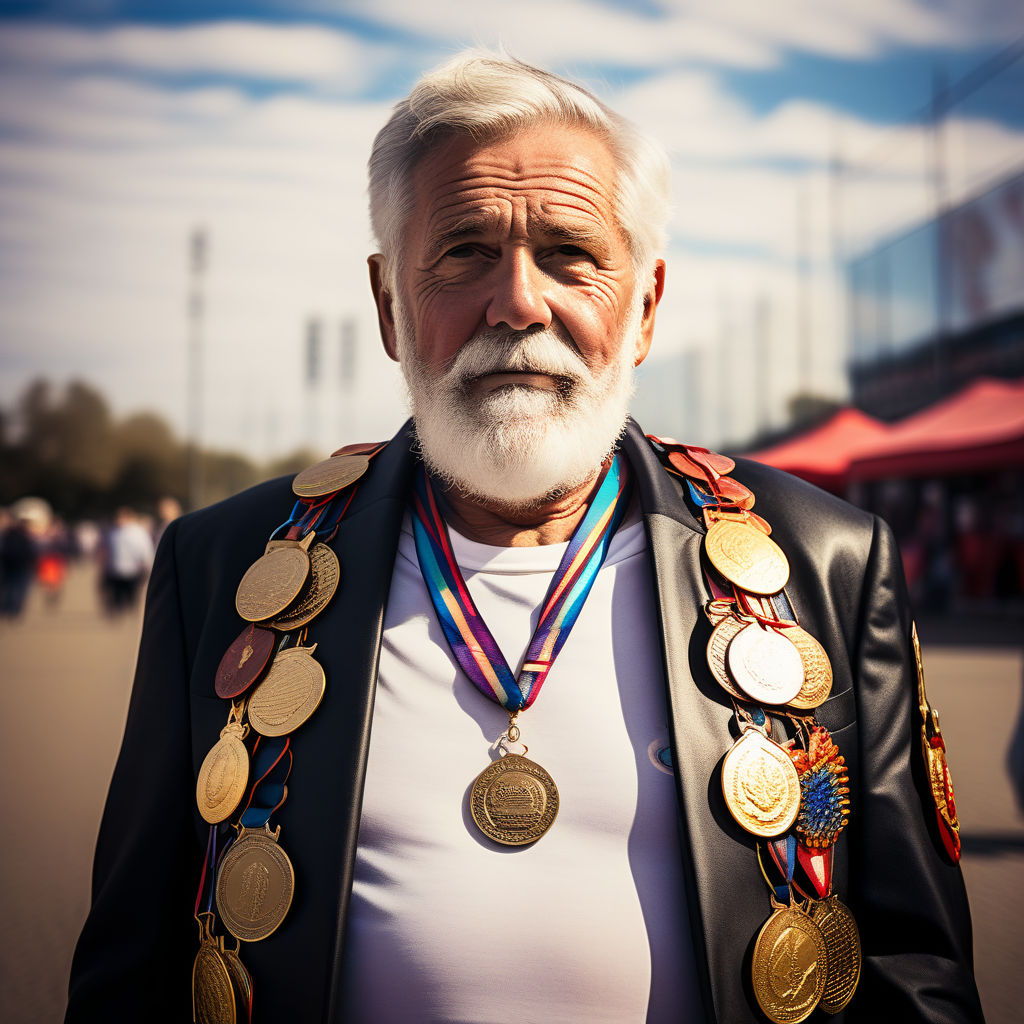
column 560, row 172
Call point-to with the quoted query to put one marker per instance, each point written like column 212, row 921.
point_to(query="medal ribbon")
column 271, row 765
column 470, row 640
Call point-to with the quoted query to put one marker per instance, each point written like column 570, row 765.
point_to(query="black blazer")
column 134, row 958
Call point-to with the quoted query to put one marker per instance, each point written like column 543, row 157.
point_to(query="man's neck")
column 551, row 522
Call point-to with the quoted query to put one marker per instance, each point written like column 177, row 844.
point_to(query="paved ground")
column 63, row 698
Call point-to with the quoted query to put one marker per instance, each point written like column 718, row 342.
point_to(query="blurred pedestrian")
column 18, row 554
column 127, row 559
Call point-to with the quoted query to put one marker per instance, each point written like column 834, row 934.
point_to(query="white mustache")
column 497, row 351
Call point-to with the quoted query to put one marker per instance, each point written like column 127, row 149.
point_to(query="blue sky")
column 124, row 125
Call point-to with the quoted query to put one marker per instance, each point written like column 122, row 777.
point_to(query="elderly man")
column 524, row 716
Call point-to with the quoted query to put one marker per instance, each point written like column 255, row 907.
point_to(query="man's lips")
column 519, row 378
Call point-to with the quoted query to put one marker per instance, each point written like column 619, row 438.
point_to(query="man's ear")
column 652, row 296
column 382, row 300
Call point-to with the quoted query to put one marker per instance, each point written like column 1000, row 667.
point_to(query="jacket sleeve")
column 910, row 902
column 133, row 959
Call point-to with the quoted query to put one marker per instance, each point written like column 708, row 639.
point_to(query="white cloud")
column 285, row 53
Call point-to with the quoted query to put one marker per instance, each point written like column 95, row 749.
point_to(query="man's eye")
column 573, row 251
column 461, row 252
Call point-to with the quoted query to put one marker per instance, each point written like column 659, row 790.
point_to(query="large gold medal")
column 760, row 785
column 223, row 775
column 324, row 574
column 765, row 665
column 817, row 684
column 274, row 580
column 721, row 636
column 289, row 694
column 213, row 996
column 514, row 801
column 842, row 940
column 329, row 475
column 746, row 556
column 789, row 966
column 255, row 885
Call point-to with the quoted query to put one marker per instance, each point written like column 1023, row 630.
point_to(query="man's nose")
column 519, row 298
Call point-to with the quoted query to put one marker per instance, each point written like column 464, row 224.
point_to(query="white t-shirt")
column 587, row 924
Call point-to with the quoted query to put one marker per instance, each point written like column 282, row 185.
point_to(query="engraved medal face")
column 514, row 801
column 289, row 694
column 330, row 475
column 213, row 998
column 765, row 665
column 746, row 556
column 789, row 966
column 254, row 886
column 721, row 636
column 817, row 683
column 324, row 574
column 273, row 581
column 761, row 786
column 223, row 775
column 243, row 661
column 842, row 941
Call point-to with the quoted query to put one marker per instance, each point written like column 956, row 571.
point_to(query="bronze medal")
column 324, row 574
column 289, row 694
column 721, row 636
column 817, row 684
column 760, row 785
column 765, row 665
column 255, row 885
column 330, row 475
column 240, row 978
column 789, row 966
column 514, row 801
column 243, row 661
column 842, row 940
column 223, row 775
column 274, row 580
column 213, row 997
column 746, row 556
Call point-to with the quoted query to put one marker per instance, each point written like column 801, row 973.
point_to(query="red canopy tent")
column 979, row 429
column 822, row 455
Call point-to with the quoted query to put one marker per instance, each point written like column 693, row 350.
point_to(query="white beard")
column 520, row 445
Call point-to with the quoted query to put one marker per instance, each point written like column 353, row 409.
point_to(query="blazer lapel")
column 727, row 900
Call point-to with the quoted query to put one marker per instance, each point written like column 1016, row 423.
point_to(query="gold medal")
column 330, row 475
column 817, row 684
column 514, row 801
column 765, row 665
column 721, row 636
column 240, row 978
column 289, row 694
column 274, row 580
column 224, row 774
column 789, row 966
column 760, row 785
column 213, row 997
column 842, row 940
column 324, row 574
column 255, row 885
column 744, row 555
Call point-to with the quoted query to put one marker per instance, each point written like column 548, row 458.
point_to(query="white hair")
column 486, row 96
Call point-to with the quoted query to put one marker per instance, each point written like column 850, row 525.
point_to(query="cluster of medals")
column 274, row 684
column 791, row 793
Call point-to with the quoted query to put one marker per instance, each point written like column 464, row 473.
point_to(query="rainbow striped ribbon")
column 470, row 640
